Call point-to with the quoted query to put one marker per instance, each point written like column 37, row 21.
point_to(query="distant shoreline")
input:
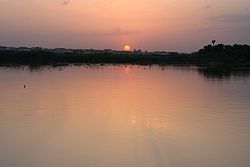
column 236, row 56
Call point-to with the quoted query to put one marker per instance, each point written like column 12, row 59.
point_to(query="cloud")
column 67, row 2
column 213, row 29
column 207, row 7
column 36, row 1
column 116, row 32
column 232, row 18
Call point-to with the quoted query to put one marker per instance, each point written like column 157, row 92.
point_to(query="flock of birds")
column 96, row 67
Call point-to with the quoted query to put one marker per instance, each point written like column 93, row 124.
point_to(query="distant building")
column 59, row 50
column 37, row 49
column 162, row 53
column 137, row 51
column 23, row 49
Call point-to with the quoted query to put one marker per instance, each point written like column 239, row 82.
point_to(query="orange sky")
column 181, row 25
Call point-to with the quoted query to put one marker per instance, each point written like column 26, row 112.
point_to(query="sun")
column 126, row 48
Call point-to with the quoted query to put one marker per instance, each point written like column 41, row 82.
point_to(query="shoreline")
column 221, row 56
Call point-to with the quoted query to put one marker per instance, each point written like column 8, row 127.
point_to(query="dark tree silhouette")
column 218, row 55
column 213, row 42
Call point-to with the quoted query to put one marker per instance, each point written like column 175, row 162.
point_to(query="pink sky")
column 180, row 25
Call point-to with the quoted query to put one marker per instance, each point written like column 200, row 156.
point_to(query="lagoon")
column 124, row 116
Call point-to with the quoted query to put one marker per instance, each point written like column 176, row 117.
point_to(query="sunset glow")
column 182, row 25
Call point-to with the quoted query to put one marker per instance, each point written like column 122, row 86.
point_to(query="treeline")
column 211, row 56
column 223, row 55
column 50, row 58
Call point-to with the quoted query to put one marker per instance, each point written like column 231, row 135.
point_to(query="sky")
column 170, row 25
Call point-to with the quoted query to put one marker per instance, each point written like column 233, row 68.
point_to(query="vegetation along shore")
column 236, row 56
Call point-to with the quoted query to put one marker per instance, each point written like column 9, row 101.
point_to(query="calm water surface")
column 123, row 116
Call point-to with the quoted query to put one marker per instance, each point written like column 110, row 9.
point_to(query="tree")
column 213, row 42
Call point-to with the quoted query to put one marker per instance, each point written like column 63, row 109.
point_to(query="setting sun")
column 126, row 48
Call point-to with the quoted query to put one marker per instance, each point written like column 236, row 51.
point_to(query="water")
column 123, row 116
